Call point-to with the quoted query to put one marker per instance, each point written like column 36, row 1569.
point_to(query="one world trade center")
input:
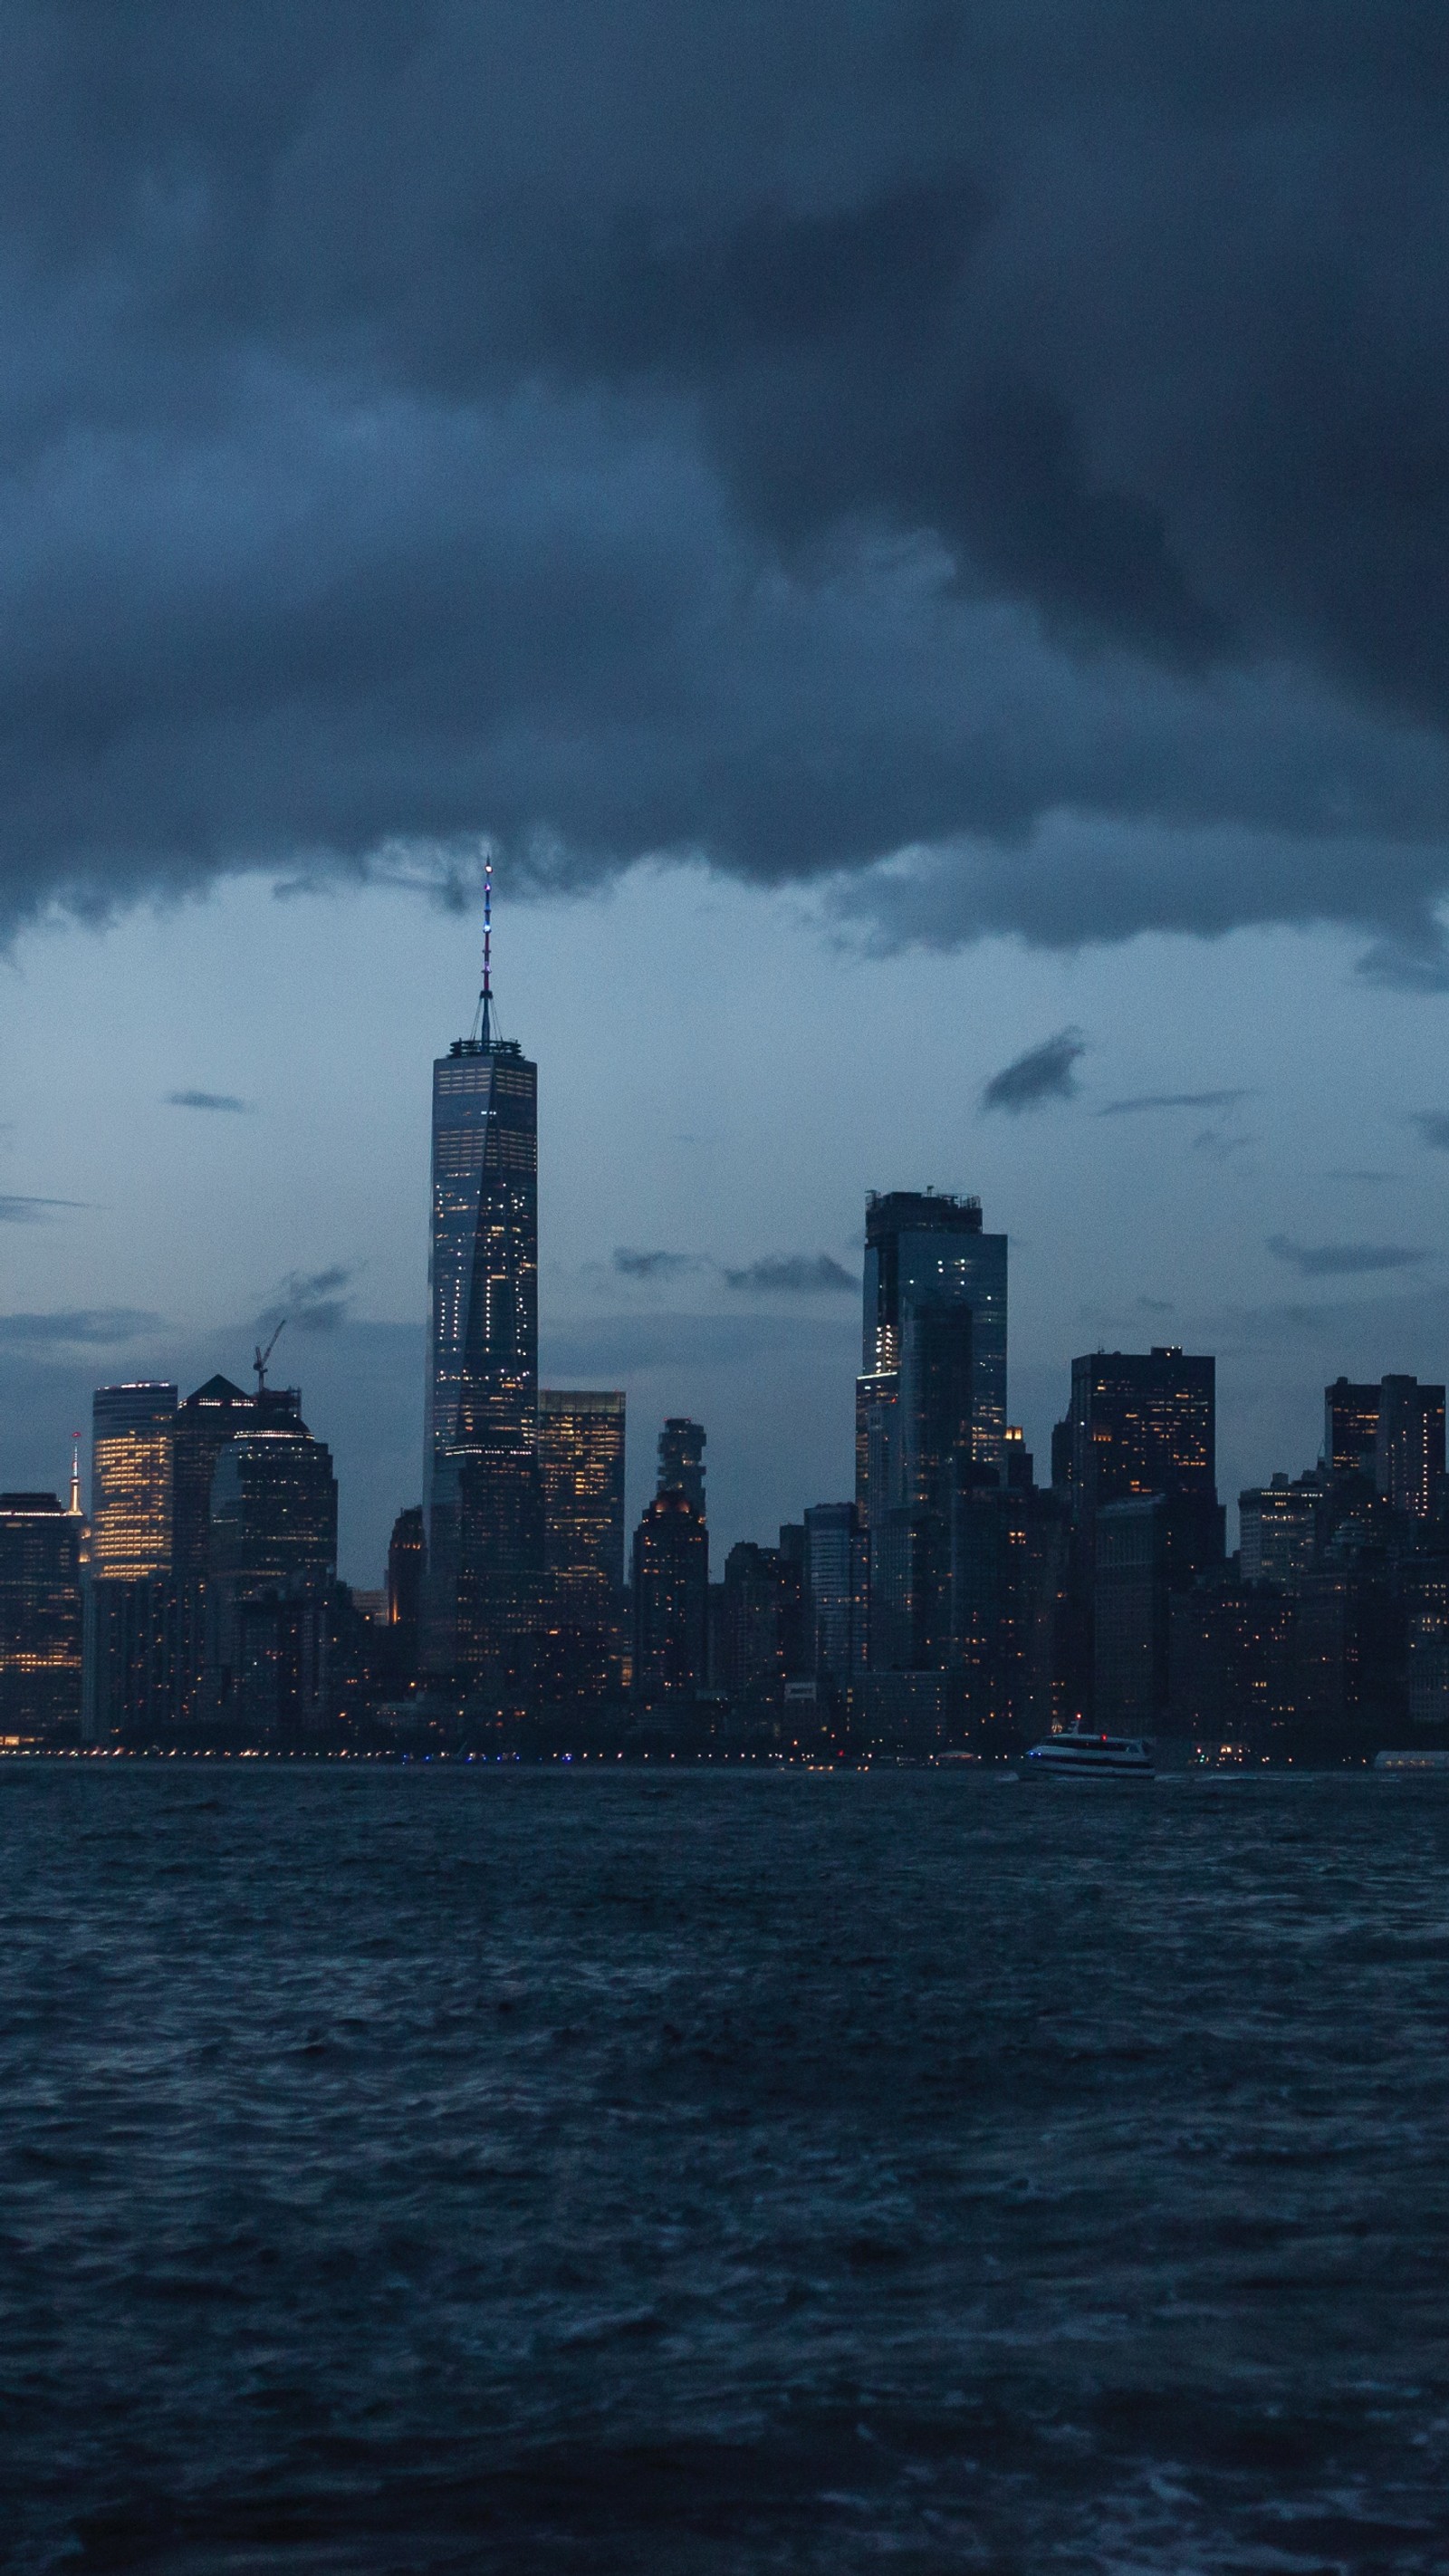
column 482, row 1495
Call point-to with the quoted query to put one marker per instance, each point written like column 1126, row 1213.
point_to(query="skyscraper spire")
column 74, row 1505
column 485, row 998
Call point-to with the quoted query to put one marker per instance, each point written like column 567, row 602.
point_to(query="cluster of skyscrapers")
column 950, row 1602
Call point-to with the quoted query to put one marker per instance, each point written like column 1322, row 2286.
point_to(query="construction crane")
column 261, row 1357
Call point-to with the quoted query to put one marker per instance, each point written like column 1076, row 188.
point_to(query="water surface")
column 436, row 2168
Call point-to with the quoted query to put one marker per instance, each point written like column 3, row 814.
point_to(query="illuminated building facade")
column 482, row 1500
column 1278, row 1529
column 131, row 1481
column 581, row 1463
column 40, row 1619
column 1142, row 1422
column 129, row 1609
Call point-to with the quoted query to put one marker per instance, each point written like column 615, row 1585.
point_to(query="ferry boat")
column 1082, row 1753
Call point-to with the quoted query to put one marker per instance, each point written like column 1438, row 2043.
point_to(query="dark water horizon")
column 443, row 2166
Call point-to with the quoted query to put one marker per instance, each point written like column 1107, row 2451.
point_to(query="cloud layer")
column 990, row 459
column 1044, row 1073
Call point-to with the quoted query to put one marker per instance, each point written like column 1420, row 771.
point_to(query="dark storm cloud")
column 315, row 1301
column 652, row 1265
column 990, row 458
column 224, row 1100
column 794, row 1274
column 23, row 1211
column 1044, row 1073
column 98, row 1325
column 1143, row 1100
column 1342, row 1260
column 1433, row 1126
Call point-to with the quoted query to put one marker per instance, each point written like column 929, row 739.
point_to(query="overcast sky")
column 919, row 534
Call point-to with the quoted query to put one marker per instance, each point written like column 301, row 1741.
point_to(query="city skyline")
column 679, row 1333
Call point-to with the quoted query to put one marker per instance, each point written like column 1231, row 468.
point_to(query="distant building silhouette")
column 273, row 1567
column 40, row 1619
column 204, row 1423
column 671, row 1572
column 681, row 1460
column 835, row 1575
column 671, row 1598
column 1350, row 1427
column 404, row 1597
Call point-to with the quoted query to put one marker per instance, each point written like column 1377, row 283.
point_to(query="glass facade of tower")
column 131, row 1481
column 925, row 1248
column 482, row 1502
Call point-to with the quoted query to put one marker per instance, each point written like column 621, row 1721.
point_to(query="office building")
column 1141, row 1423
column 483, row 1506
column 131, row 1481
column 681, row 1461
column 671, row 1598
column 272, row 1570
column 129, row 1611
column 1009, row 1591
column 927, row 1249
column 40, row 1619
column 1350, row 1428
column 760, row 1622
column 204, row 1424
column 581, row 1463
column 1278, row 1529
column 1409, row 1445
column 834, row 1567
column 403, row 1598
column 1148, row 1548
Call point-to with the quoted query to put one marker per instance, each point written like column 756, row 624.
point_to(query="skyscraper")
column 681, row 1460
column 926, row 1249
column 204, row 1424
column 128, row 1649
column 1350, row 1427
column 1142, row 1423
column 1409, row 1445
column 581, row 1461
column 131, row 1480
column 40, row 1617
column 482, row 1499
column 671, row 1598
column 671, row 1570
column 273, row 1564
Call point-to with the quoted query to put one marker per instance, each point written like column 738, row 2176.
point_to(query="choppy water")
column 431, row 2170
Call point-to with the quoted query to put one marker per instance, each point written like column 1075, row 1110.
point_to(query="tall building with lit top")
column 581, row 1462
column 482, row 1499
column 131, row 1455
column 128, row 1659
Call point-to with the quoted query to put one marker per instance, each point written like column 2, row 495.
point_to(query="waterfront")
column 425, row 2168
